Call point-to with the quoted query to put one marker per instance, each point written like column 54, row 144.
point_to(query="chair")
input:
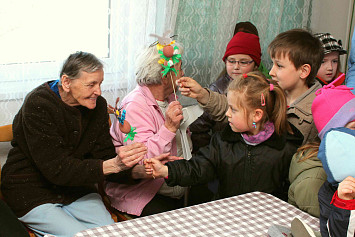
column 116, row 215
column 6, row 133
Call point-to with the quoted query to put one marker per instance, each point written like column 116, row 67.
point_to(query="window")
column 36, row 36
column 43, row 31
column 40, row 34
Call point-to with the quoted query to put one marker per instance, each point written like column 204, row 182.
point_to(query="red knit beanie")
column 244, row 43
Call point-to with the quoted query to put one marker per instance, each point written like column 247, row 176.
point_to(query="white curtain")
column 130, row 23
column 203, row 27
column 133, row 21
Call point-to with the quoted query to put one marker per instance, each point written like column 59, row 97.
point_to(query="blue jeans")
column 67, row 220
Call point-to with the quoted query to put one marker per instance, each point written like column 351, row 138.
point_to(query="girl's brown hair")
column 313, row 149
column 254, row 91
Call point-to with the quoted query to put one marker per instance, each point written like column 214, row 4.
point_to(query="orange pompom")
column 125, row 128
column 168, row 51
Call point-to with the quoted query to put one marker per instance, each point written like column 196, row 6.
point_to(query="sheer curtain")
column 125, row 24
column 133, row 22
column 205, row 28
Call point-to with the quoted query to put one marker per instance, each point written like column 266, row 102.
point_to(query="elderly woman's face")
column 85, row 89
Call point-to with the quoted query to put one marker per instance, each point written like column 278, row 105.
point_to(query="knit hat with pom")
column 244, row 43
column 333, row 107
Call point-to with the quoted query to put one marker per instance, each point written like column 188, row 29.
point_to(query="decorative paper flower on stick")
column 169, row 53
column 123, row 125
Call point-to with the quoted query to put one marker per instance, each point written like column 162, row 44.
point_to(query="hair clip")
column 245, row 75
column 271, row 87
column 262, row 99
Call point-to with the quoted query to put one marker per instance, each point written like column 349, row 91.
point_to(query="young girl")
column 330, row 67
column 253, row 153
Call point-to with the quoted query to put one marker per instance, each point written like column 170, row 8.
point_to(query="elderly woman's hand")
column 127, row 157
column 189, row 87
column 173, row 116
column 130, row 155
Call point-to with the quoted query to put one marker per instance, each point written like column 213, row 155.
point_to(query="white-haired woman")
column 152, row 109
column 61, row 149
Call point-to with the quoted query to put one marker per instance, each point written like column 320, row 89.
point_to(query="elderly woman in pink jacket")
column 154, row 115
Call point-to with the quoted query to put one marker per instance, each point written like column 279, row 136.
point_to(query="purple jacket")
column 143, row 113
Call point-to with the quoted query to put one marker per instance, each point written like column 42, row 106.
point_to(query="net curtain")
column 203, row 27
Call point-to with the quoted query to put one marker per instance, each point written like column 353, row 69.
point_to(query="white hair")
column 148, row 70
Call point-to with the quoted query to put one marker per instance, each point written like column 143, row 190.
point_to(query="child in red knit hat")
column 242, row 55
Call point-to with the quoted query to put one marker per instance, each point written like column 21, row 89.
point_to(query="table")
column 249, row 214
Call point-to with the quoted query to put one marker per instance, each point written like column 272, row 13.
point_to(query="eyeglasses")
column 241, row 63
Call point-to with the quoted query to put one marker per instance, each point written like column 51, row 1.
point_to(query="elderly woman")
column 151, row 109
column 61, row 149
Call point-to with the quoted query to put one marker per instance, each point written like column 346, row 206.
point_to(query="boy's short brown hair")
column 301, row 47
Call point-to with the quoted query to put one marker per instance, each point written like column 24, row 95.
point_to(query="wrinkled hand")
column 190, row 88
column 173, row 116
column 130, row 155
column 155, row 168
column 346, row 189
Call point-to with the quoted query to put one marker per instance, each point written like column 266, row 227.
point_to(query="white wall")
column 334, row 17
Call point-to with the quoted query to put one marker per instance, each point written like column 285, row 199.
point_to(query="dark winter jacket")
column 240, row 168
column 336, row 153
column 334, row 221
column 204, row 126
column 58, row 151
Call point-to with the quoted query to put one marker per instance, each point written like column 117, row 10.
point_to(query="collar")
column 339, row 80
column 262, row 136
column 150, row 98
column 302, row 106
column 275, row 141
